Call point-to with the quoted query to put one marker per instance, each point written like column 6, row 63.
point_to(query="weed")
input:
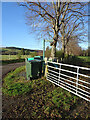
column 47, row 110
column 67, row 107
column 87, row 116
column 63, row 98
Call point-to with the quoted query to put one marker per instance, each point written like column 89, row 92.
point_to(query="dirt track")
column 7, row 68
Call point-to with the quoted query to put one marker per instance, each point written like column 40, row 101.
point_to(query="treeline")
column 73, row 52
column 16, row 48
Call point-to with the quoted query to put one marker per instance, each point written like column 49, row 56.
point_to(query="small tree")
column 27, row 52
column 19, row 55
column 72, row 47
column 22, row 51
column 47, row 52
column 59, row 54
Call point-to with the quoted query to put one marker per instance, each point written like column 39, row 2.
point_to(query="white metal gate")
column 72, row 78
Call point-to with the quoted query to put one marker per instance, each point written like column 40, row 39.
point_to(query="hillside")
column 16, row 50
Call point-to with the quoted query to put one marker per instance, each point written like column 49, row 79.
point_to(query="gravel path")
column 7, row 68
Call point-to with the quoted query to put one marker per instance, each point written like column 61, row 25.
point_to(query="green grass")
column 44, row 99
column 5, row 62
column 15, row 84
column 39, row 98
column 85, row 58
column 13, row 57
column 56, row 101
column 77, row 60
column 7, row 59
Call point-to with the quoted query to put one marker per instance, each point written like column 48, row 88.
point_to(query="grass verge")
column 15, row 84
column 37, row 99
column 4, row 62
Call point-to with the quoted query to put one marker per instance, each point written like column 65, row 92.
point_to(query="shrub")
column 19, row 55
column 59, row 54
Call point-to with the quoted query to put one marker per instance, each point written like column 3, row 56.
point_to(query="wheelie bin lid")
column 29, row 59
column 38, row 57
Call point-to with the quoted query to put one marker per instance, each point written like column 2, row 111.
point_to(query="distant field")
column 12, row 57
column 85, row 58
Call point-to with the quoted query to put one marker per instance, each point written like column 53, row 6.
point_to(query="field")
column 77, row 60
column 13, row 57
column 39, row 99
column 85, row 58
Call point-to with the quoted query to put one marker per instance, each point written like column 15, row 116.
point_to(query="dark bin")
column 33, row 68
column 43, row 62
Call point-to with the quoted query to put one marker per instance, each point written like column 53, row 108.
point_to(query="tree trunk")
column 56, row 30
column 53, row 51
column 53, row 44
column 63, row 47
column 66, row 51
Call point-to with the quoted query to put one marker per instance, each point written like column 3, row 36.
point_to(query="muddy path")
column 7, row 68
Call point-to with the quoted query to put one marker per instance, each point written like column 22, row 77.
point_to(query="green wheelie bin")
column 33, row 68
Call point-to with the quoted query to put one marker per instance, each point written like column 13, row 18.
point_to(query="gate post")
column 59, row 73
column 77, row 80
column 43, row 49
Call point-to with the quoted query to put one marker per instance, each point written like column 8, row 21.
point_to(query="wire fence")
column 72, row 78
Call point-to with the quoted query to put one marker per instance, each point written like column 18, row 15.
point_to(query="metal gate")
column 72, row 78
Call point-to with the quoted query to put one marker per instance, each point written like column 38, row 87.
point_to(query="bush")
column 74, row 60
column 59, row 53
column 19, row 55
column 48, row 52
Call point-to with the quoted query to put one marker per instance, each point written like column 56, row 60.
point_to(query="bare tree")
column 73, row 48
column 73, row 25
column 53, row 19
